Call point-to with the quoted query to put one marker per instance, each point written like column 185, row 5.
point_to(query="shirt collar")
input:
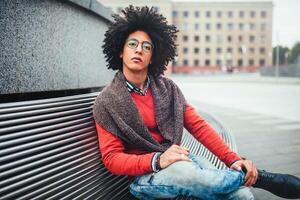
column 132, row 88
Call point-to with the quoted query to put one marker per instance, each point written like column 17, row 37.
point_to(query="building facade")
column 218, row 35
column 215, row 36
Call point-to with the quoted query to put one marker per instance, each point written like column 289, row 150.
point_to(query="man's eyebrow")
column 139, row 40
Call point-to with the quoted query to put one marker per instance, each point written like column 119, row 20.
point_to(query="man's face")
column 137, row 52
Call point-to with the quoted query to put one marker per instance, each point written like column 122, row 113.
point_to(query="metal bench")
column 49, row 150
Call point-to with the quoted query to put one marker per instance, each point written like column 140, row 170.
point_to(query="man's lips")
column 136, row 59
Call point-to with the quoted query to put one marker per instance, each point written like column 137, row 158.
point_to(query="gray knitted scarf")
column 116, row 111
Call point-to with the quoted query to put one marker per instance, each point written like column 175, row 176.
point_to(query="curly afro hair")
column 144, row 19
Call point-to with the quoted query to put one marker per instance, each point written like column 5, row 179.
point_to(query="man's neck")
column 137, row 78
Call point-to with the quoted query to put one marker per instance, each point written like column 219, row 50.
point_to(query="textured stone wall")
column 49, row 45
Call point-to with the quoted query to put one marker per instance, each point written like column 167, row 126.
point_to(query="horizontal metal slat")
column 43, row 106
column 44, row 111
column 14, row 122
column 23, row 144
column 104, row 181
column 17, row 167
column 51, row 188
column 75, row 123
column 23, row 187
column 42, row 165
column 43, row 123
column 46, row 101
column 40, row 149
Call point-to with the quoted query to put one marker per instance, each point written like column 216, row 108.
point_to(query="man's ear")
column 121, row 55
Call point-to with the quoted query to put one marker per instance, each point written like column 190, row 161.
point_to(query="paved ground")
column 271, row 141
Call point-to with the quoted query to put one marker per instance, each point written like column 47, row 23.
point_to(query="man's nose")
column 139, row 49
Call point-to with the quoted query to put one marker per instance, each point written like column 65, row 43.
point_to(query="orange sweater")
column 132, row 161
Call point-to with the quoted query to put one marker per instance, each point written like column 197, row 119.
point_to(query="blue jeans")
column 198, row 178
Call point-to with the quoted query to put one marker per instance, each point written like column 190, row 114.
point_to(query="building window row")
column 229, row 26
column 240, row 62
column 219, row 14
column 240, row 50
column 229, row 38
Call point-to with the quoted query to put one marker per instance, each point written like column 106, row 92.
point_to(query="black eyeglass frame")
column 138, row 42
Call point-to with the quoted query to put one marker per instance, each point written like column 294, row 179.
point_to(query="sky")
column 286, row 20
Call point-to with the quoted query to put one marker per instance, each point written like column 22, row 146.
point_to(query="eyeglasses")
column 134, row 43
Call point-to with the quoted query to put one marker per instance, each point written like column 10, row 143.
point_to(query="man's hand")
column 251, row 175
column 173, row 154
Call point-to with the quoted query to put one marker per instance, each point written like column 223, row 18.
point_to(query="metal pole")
column 277, row 56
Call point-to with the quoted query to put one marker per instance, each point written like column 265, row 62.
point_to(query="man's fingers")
column 183, row 151
column 236, row 167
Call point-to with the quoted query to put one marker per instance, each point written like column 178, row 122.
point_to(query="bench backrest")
column 49, row 150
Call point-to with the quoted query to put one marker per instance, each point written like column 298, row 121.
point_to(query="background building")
column 215, row 36
column 223, row 34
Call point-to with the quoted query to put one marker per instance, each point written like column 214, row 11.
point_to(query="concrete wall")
column 50, row 45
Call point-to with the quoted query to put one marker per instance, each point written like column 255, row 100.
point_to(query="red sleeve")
column 116, row 160
column 205, row 134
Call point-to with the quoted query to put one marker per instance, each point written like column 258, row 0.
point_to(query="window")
column 197, row 26
column 207, row 62
column 251, row 62
column 240, row 38
column 262, row 50
column 207, row 13
column 196, row 50
column 263, row 14
column 185, row 50
column 241, row 14
column 240, row 50
column 219, row 50
column 241, row 26
column 207, row 50
column 197, row 14
column 252, row 26
column 230, row 26
column 185, row 14
column 219, row 26
column 185, row 26
column 229, row 50
column 252, row 50
column 174, row 13
column 251, row 38
column 252, row 14
column 185, row 62
column 185, row 38
column 230, row 14
column 240, row 62
column 229, row 38
column 207, row 38
column 262, row 62
column 196, row 38
column 174, row 63
column 218, row 62
column 219, row 14
column 196, row 62
column 207, row 26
